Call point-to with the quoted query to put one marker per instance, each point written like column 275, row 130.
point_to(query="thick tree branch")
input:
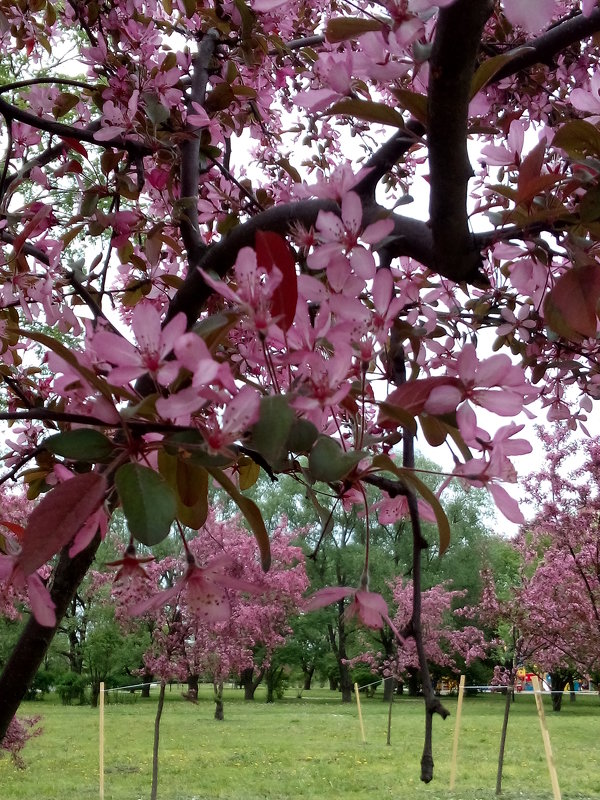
column 455, row 47
column 190, row 153
column 544, row 48
column 86, row 134
column 384, row 159
column 29, row 651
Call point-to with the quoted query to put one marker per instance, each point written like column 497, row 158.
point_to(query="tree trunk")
column 95, row 693
column 388, row 689
column 308, row 676
column 413, row 683
column 35, row 640
column 509, row 698
column 337, row 639
column 333, row 683
column 146, row 679
column 249, row 682
column 192, row 690
column 558, row 680
column 218, row 689
column 345, row 683
column 159, row 710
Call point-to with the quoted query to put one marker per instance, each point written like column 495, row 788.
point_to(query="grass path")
column 303, row 749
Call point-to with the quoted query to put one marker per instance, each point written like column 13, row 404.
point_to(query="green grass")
column 303, row 749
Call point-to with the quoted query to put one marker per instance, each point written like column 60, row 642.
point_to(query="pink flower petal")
column 40, row 601
column 325, row 597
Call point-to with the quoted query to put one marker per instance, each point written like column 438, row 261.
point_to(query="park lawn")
column 303, row 749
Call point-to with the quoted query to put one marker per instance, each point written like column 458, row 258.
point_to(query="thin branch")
column 297, row 44
column 91, row 303
column 28, row 249
column 384, row 159
column 9, row 87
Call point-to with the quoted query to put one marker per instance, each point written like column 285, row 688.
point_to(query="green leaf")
column 248, row 472
column 589, row 208
column 149, row 503
column 303, row 435
column 368, row 111
column 64, row 103
column 327, row 461
column 190, row 484
column 191, row 444
column 486, row 71
column 344, row 28
column 251, row 512
column 156, row 112
column 578, row 138
column 83, row 444
column 385, row 464
column 414, row 103
column 268, row 436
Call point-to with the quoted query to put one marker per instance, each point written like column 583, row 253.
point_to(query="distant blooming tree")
column 220, row 618
column 448, row 645
column 553, row 612
column 208, row 268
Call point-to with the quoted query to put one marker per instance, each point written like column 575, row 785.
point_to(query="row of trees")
column 532, row 601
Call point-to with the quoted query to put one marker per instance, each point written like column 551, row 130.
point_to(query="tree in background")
column 230, row 620
column 177, row 313
column 553, row 611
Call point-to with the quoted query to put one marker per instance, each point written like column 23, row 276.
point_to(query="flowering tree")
column 554, row 610
column 228, row 617
column 446, row 644
column 205, row 271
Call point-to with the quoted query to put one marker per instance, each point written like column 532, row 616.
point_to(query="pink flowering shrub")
column 18, row 734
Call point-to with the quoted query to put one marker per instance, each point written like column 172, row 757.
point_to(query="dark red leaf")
column 570, row 306
column 272, row 250
column 58, row 517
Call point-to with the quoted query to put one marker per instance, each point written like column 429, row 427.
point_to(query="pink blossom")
column 42, row 607
column 588, row 99
column 369, row 607
column 340, row 238
column 130, row 566
column 532, row 15
column 202, row 590
column 153, row 346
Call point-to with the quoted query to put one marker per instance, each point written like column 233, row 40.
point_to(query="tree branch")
column 544, row 48
column 387, row 157
column 33, row 643
column 455, row 47
column 70, row 131
column 190, row 153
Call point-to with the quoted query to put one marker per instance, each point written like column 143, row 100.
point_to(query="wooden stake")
column 360, row 719
column 101, row 700
column 461, row 691
column 546, row 738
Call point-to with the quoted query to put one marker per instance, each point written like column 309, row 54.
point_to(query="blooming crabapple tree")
column 446, row 645
column 555, row 610
column 218, row 620
column 208, row 267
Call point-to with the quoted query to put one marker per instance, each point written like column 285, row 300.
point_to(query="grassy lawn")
column 303, row 749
